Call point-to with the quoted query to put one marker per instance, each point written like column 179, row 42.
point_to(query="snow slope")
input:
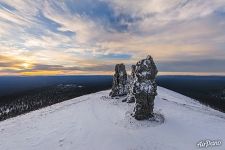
column 96, row 122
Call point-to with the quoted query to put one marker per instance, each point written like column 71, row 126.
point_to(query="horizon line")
column 159, row 74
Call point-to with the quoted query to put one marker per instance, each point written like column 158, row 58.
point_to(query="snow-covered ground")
column 96, row 122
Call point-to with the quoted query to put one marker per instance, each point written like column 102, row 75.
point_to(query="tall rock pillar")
column 144, row 88
column 130, row 96
column 119, row 87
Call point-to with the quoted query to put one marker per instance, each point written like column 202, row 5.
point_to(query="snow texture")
column 97, row 122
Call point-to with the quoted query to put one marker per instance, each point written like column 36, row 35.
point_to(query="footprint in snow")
column 61, row 142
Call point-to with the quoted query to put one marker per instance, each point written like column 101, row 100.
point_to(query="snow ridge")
column 97, row 122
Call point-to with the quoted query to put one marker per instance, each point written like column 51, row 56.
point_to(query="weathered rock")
column 144, row 88
column 119, row 87
column 133, row 71
column 130, row 96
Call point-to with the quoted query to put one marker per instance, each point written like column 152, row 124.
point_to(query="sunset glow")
column 89, row 37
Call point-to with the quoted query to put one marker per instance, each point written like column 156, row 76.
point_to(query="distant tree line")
column 16, row 104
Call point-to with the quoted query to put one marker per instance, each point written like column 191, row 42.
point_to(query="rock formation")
column 119, row 87
column 144, row 88
column 130, row 96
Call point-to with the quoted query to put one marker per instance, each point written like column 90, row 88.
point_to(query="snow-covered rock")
column 120, row 83
column 97, row 122
column 144, row 88
column 130, row 96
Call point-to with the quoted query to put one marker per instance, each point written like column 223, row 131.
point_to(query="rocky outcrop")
column 130, row 96
column 144, row 88
column 140, row 88
column 119, row 87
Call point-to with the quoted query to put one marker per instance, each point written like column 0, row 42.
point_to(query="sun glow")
column 41, row 73
column 26, row 65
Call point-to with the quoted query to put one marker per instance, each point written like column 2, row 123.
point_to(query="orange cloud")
column 41, row 73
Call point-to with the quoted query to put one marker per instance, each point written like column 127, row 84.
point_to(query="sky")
column 73, row 37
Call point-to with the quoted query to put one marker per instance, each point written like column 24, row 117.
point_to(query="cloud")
column 42, row 69
column 168, row 10
column 213, row 65
column 91, row 34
